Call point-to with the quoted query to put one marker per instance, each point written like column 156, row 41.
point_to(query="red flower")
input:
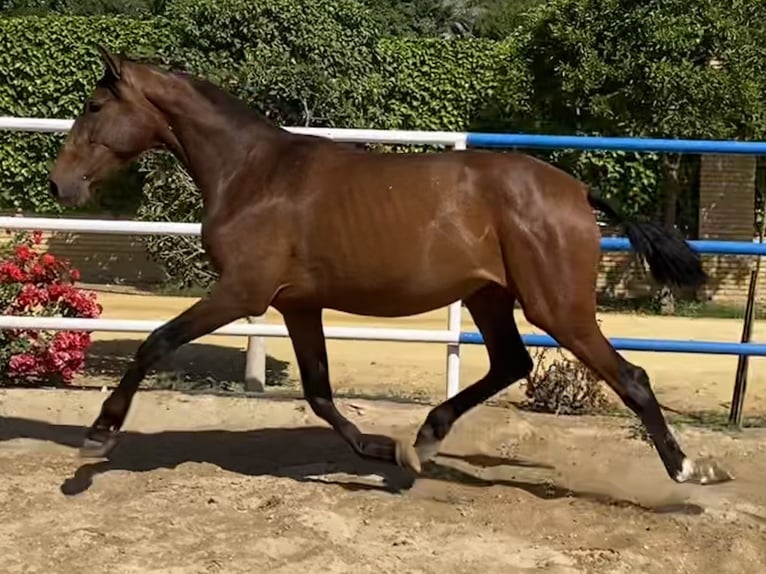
column 30, row 296
column 37, row 271
column 23, row 364
column 42, row 286
column 55, row 291
column 23, row 252
column 10, row 272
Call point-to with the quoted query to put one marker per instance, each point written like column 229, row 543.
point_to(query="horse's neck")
column 204, row 138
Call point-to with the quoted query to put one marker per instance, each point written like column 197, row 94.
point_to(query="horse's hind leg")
column 576, row 329
column 305, row 330
column 492, row 311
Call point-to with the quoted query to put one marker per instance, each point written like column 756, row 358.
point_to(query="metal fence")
column 452, row 335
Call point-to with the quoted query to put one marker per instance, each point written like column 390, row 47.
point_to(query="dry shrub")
column 563, row 386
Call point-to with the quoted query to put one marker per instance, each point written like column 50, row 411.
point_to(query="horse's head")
column 116, row 125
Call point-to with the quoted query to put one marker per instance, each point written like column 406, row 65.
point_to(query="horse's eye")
column 93, row 107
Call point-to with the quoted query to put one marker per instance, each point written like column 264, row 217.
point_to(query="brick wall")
column 727, row 201
column 726, row 204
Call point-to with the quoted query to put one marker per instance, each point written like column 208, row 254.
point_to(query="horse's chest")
column 245, row 241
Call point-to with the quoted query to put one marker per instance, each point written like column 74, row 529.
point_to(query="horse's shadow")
column 305, row 454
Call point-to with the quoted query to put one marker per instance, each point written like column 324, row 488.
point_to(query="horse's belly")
column 385, row 298
column 397, row 303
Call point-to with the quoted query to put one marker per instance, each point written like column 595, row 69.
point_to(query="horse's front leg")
column 307, row 336
column 217, row 309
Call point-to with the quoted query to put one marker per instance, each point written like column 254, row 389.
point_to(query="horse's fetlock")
column 438, row 424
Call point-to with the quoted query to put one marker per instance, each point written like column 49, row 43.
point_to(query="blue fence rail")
column 706, row 247
column 510, row 140
column 653, row 345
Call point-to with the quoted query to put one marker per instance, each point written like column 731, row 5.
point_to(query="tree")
column 659, row 68
column 132, row 8
column 301, row 62
column 498, row 19
column 423, row 18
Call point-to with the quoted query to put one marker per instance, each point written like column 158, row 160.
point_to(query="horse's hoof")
column 96, row 448
column 427, row 452
column 407, row 457
column 703, row 471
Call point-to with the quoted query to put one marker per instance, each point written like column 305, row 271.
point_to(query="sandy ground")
column 220, row 484
column 204, row 483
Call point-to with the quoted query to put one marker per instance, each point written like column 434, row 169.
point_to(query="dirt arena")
column 205, row 482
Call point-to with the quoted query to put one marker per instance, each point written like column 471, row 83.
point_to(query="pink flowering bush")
column 41, row 285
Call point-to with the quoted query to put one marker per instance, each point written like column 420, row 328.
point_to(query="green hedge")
column 450, row 84
column 48, row 66
column 301, row 62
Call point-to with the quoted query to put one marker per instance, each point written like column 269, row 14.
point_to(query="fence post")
column 255, row 361
column 454, row 315
column 453, row 349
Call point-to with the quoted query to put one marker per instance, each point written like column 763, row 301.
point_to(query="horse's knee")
column 155, row 346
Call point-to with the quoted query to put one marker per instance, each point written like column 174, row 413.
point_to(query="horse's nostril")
column 54, row 189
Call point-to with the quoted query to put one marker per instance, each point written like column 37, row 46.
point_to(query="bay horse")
column 302, row 223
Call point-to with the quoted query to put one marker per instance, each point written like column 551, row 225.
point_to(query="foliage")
column 422, row 18
column 661, row 68
column 565, row 386
column 39, row 284
column 133, row 8
column 170, row 195
column 305, row 62
column 609, row 67
column 631, row 177
column 651, row 69
column 446, row 84
column 48, row 66
column 499, row 19
column 492, row 19
column 301, row 62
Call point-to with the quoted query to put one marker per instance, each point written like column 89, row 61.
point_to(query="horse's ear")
column 112, row 62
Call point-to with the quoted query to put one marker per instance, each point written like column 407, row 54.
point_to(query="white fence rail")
column 254, row 330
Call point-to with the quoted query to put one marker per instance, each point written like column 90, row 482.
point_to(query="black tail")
column 671, row 260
